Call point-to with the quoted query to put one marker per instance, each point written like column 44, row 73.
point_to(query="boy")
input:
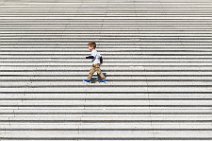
column 96, row 61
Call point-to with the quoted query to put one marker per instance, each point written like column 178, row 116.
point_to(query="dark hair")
column 92, row 44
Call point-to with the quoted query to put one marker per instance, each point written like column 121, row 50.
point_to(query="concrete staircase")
column 157, row 58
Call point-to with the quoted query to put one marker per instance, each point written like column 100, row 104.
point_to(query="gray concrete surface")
column 157, row 58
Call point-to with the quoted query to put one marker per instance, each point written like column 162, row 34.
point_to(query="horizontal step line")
column 158, row 34
column 137, row 16
column 132, row 60
column 127, row 72
column 93, row 113
column 109, row 50
column 55, row 13
column 112, row 80
column 107, row 138
column 36, row 76
column 111, row 54
column 117, row 3
column 111, row 61
column 99, row 129
column 108, row 18
column 108, row 58
column 105, row 99
column 111, row 65
column 103, row 92
column 102, row 121
column 117, row 86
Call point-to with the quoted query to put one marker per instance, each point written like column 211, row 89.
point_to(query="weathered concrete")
column 157, row 58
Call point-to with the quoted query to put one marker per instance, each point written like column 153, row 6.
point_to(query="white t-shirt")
column 96, row 56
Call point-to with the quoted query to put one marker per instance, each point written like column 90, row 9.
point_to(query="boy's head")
column 91, row 46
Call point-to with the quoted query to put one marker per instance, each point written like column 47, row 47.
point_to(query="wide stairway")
column 157, row 58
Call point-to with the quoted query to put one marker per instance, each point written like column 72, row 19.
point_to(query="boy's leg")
column 91, row 72
column 99, row 72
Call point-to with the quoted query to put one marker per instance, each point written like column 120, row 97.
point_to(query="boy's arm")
column 89, row 57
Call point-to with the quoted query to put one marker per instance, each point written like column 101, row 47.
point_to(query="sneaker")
column 103, row 81
column 86, row 81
